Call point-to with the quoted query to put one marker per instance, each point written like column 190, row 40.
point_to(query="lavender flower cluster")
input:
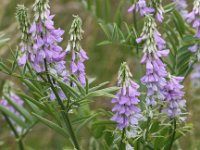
column 156, row 77
column 24, row 23
column 154, row 7
column 141, row 7
column 174, row 97
column 79, row 56
column 41, row 47
column 45, row 38
column 127, row 112
column 154, row 50
column 194, row 18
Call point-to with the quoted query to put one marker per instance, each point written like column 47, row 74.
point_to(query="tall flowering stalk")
column 48, row 56
column 24, row 24
column 127, row 112
column 45, row 49
column 154, row 50
column 45, row 39
column 175, row 104
column 79, row 56
column 126, row 109
column 194, row 18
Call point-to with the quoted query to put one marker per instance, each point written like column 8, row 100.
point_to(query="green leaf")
column 104, row 92
column 79, row 86
column 98, row 86
column 98, row 94
column 104, row 122
column 52, row 125
column 105, row 30
column 68, row 89
column 169, row 7
column 31, row 86
column 3, row 39
column 179, row 23
column 14, row 117
column 86, row 121
column 104, row 43
column 4, row 68
column 20, row 109
column 98, row 130
column 183, row 59
column 32, row 100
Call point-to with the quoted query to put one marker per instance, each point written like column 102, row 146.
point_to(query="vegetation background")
column 103, row 63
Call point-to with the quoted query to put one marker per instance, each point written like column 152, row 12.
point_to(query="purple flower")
column 193, row 17
column 159, row 11
column 45, row 39
column 25, row 44
column 141, row 7
column 60, row 93
column 154, row 50
column 16, row 99
column 77, row 65
column 22, row 60
column 127, row 112
column 79, row 56
column 174, row 97
column 193, row 48
column 45, row 46
column 181, row 6
column 45, row 49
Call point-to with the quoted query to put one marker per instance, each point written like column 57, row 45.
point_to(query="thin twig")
column 17, row 137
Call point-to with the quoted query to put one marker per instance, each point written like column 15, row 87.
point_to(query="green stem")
column 63, row 112
column 173, row 134
column 18, row 139
column 135, row 20
column 136, row 28
column 121, row 147
column 147, row 132
column 30, row 69
column 150, row 147
column 138, row 145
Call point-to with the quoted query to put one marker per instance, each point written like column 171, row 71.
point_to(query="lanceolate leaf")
column 32, row 100
column 86, row 121
column 52, row 125
column 68, row 89
column 14, row 117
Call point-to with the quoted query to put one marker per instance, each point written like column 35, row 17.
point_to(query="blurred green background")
column 103, row 63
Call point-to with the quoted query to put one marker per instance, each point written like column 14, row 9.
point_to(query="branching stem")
column 17, row 137
column 63, row 112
